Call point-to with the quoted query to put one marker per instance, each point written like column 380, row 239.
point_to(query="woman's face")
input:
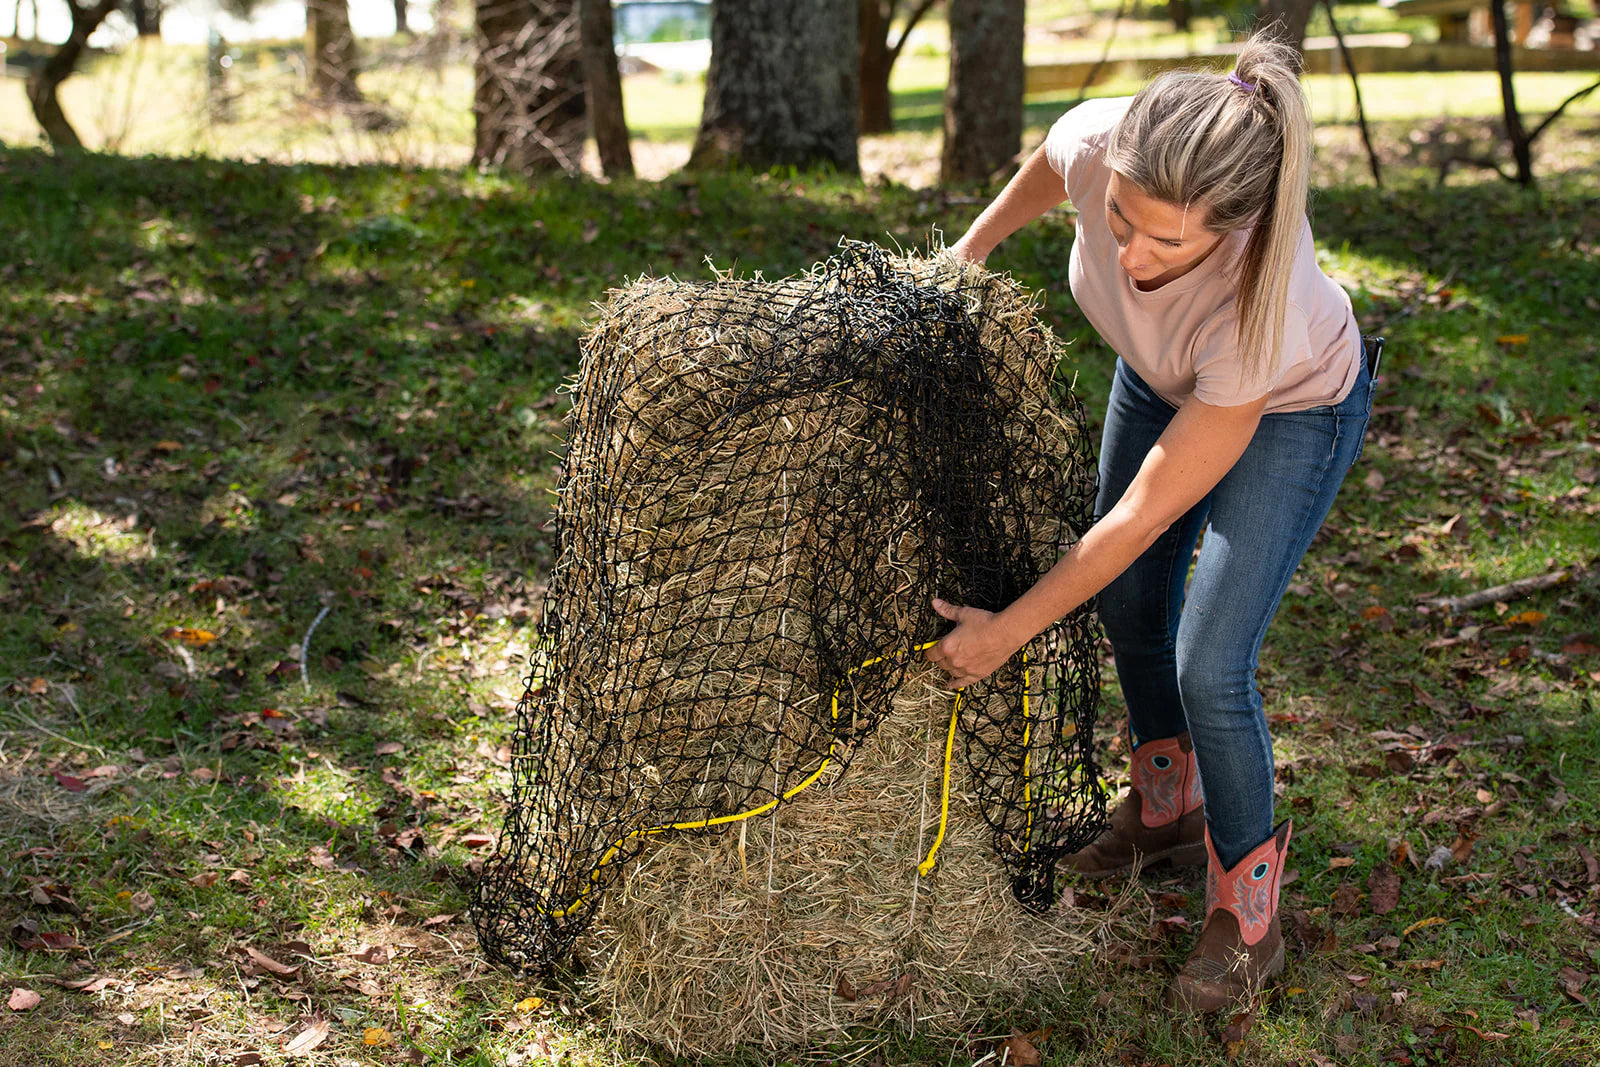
column 1159, row 241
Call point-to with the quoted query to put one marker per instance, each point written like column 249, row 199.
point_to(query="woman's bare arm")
column 1035, row 189
column 1199, row 446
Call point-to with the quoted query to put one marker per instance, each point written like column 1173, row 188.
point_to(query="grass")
column 234, row 394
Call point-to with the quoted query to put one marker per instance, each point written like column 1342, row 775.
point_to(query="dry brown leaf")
column 1020, row 1050
column 261, row 959
column 142, row 901
column 388, row 748
column 372, row 954
column 308, row 1039
column 845, row 991
column 1341, row 861
column 1572, row 982
column 23, row 1000
column 205, row 879
column 1383, row 887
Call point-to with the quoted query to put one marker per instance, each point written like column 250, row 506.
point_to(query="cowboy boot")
column 1241, row 945
column 1162, row 819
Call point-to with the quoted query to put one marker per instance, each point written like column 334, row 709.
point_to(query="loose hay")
column 766, row 483
column 710, row 942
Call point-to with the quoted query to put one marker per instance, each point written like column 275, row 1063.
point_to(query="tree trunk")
column 872, row 64
column 43, row 83
column 529, row 102
column 330, row 52
column 604, row 84
column 1291, row 17
column 783, row 86
column 146, row 17
column 983, row 103
column 1521, row 148
column 1180, row 12
column 402, row 23
column 875, row 57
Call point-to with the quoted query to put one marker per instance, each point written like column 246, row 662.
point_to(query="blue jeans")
column 1187, row 661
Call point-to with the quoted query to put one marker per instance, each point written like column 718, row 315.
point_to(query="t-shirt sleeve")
column 1078, row 138
column 1219, row 374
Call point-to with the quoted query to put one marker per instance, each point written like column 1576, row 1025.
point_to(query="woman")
column 1240, row 398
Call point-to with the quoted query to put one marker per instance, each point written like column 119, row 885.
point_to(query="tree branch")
column 922, row 8
column 1548, row 119
column 1355, row 83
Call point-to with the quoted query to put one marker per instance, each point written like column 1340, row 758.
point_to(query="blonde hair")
column 1243, row 153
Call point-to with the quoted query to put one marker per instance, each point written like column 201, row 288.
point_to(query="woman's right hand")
column 967, row 250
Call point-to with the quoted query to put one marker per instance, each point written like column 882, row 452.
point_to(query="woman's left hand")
column 975, row 649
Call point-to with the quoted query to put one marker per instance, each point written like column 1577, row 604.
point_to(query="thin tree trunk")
column 783, row 86
column 43, row 83
column 1179, row 12
column 1520, row 146
column 402, row 20
column 1355, row 84
column 876, row 57
column 872, row 63
column 146, row 17
column 529, row 101
column 331, row 52
column 604, row 85
column 1291, row 17
column 983, row 103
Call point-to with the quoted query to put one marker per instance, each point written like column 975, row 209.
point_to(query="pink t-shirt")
column 1181, row 338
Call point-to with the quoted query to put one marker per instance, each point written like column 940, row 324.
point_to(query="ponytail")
column 1238, row 144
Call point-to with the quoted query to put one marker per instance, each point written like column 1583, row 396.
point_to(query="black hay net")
column 766, row 484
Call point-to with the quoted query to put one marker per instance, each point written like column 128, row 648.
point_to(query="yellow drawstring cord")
column 924, row 868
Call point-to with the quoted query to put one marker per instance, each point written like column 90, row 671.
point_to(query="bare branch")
column 1548, row 119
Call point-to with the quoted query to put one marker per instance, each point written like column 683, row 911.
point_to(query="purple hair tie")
column 1241, row 83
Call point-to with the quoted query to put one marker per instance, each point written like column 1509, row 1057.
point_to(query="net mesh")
column 766, row 483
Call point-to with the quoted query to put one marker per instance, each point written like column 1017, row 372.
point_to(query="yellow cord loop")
column 924, row 868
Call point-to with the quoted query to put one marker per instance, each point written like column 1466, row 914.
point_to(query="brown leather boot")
column 1162, row 820
column 1241, row 945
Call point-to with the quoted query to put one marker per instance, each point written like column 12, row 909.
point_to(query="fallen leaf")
column 440, row 920
column 1423, row 924
column 248, row 1059
column 1572, row 982
column 205, row 879
column 71, row 784
column 1512, row 339
column 1347, row 899
column 529, row 1004
column 38, row 687
column 1020, row 1049
column 23, row 1000
column 1383, row 889
column 477, row 840
column 388, row 748
column 1337, row 862
column 322, row 859
column 1526, row 618
column 261, row 959
column 845, row 991
column 142, row 901
column 192, row 637
column 1428, row 700
column 308, row 1039
column 376, row 954
column 375, row 1035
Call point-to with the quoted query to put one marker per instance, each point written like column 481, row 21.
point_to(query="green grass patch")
column 233, row 395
